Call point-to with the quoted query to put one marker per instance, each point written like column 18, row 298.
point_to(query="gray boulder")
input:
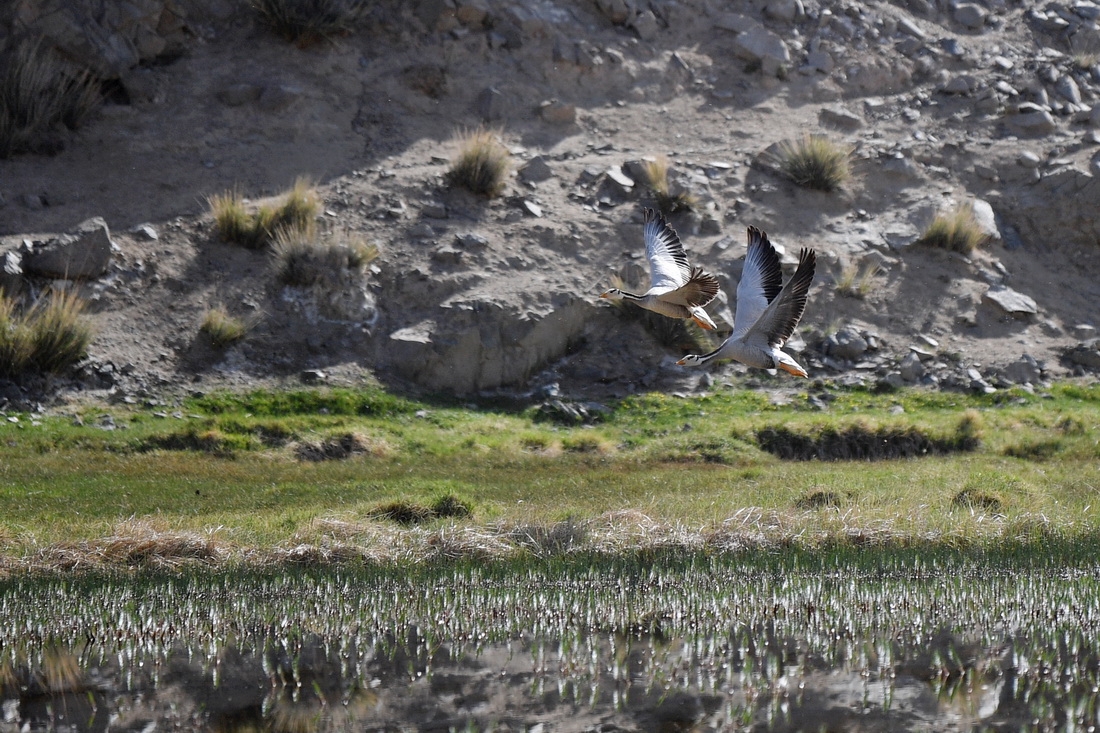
column 759, row 45
column 85, row 252
column 1011, row 302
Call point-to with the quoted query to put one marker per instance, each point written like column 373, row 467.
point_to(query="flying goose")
column 766, row 314
column 676, row 290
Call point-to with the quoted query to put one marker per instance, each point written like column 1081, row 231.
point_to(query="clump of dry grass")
column 134, row 543
column 342, row 446
column 303, row 257
column 669, row 202
column 50, row 337
column 482, row 164
column 447, row 506
column 956, row 230
column 37, row 95
column 305, row 22
column 815, row 161
column 222, row 328
column 296, row 212
column 857, row 281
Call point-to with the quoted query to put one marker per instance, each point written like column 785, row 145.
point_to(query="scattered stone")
column 85, row 252
column 759, row 45
column 490, row 104
column 645, row 25
column 535, row 170
column 532, row 208
column 1011, row 302
column 558, row 113
column 841, row 118
column 625, row 183
column 986, row 219
column 971, row 16
column 1028, row 159
column 1037, row 122
column 472, row 241
column 911, row 368
column 312, row 376
column 785, row 11
column 1085, row 354
column 845, row 344
column 146, row 232
column 1025, row 370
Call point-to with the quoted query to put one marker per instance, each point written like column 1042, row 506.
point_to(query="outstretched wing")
column 778, row 321
column 668, row 263
column 761, row 279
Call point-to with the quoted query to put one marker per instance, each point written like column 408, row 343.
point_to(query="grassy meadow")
column 347, row 475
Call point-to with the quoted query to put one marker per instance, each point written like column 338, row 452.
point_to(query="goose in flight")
column 676, row 290
column 766, row 314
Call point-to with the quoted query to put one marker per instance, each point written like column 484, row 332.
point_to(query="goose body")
column 677, row 289
column 767, row 311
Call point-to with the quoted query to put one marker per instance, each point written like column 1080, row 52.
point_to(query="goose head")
column 692, row 360
column 613, row 294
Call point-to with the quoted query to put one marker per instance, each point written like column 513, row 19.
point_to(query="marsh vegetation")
column 337, row 558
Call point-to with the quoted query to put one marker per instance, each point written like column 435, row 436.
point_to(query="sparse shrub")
column 309, row 21
column 37, row 96
column 975, row 499
column 222, row 328
column 956, row 230
column 50, row 337
column 1034, row 450
column 815, row 161
column 201, row 439
column 15, row 340
column 59, row 333
column 586, row 444
column 296, row 212
column 482, row 164
column 819, row 500
column 449, row 505
column 861, row 442
column 302, row 257
column 857, row 281
column 656, row 173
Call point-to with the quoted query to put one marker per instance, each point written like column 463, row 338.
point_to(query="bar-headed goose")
column 677, row 289
column 766, row 314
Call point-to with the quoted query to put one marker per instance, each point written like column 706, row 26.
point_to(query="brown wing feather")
column 700, row 289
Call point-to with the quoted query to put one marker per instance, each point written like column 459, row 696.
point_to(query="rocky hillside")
column 992, row 103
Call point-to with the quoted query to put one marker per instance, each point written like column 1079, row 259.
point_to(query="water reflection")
column 749, row 679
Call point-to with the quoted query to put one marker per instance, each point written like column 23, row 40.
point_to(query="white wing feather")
column 668, row 263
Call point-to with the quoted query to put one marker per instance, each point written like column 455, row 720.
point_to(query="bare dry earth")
column 371, row 117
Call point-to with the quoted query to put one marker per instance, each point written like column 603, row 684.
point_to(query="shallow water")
column 703, row 644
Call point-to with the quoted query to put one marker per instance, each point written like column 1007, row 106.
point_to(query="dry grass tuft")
column 135, row 544
column 956, row 230
column 50, row 337
column 37, row 96
column 669, row 202
column 296, row 212
column 857, row 281
column 305, row 22
column 815, row 161
column 222, row 328
column 301, row 257
column 482, row 164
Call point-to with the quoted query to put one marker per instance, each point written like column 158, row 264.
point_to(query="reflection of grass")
column 687, row 462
